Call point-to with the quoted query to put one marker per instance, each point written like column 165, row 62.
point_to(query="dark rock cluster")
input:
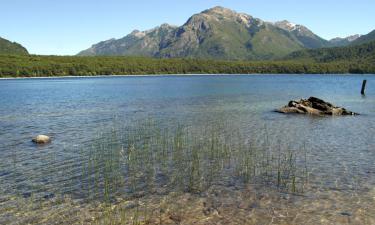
column 314, row 106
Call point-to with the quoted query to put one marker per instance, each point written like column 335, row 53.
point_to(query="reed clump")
column 148, row 158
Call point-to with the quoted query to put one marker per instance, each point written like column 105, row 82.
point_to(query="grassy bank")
column 44, row 66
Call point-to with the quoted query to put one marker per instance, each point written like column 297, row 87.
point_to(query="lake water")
column 77, row 112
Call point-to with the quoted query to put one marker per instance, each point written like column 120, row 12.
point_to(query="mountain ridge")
column 216, row 33
column 340, row 42
column 303, row 34
column 364, row 39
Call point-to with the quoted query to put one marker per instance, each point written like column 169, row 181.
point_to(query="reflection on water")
column 50, row 183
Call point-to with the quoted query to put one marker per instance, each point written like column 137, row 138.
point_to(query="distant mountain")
column 365, row 38
column 141, row 43
column 303, row 34
column 11, row 48
column 364, row 53
column 339, row 42
column 217, row 33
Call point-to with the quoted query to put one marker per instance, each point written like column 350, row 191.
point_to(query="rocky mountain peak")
column 167, row 26
column 219, row 10
column 137, row 33
column 353, row 37
column 349, row 38
column 220, row 13
column 339, row 41
column 286, row 25
column 141, row 34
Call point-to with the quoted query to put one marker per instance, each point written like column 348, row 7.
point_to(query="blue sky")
column 64, row 27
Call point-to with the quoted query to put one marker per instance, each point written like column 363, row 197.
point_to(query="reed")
column 137, row 160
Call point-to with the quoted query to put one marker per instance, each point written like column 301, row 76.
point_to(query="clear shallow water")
column 75, row 111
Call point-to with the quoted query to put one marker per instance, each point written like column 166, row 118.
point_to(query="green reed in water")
column 131, row 162
column 149, row 157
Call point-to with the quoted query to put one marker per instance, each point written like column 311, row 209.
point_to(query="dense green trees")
column 37, row 66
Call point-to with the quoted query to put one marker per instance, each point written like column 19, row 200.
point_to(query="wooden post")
column 363, row 87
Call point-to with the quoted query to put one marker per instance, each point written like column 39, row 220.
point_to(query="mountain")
column 303, row 34
column 365, row 38
column 11, row 48
column 364, row 53
column 339, row 42
column 141, row 43
column 216, row 33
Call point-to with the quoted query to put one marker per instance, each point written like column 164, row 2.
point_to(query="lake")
column 186, row 149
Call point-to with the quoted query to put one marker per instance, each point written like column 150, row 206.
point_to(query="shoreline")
column 185, row 75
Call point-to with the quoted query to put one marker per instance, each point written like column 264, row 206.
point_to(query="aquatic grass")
column 133, row 161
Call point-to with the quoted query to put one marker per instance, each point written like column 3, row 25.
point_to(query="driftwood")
column 314, row 106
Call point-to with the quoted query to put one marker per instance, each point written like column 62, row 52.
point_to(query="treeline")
column 360, row 53
column 38, row 66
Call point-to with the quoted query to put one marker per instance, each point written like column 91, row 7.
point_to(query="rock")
column 314, row 106
column 26, row 194
column 346, row 214
column 41, row 139
column 49, row 196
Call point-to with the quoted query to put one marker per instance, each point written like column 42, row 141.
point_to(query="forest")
column 44, row 66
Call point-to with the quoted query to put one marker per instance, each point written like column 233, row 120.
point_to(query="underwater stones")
column 26, row 194
column 41, row 139
column 49, row 196
column 314, row 106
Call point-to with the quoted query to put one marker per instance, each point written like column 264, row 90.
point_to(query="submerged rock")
column 314, row 106
column 41, row 139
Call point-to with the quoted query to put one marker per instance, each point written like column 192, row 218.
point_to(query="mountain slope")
column 221, row 33
column 217, row 33
column 303, row 34
column 146, row 43
column 11, row 48
column 365, row 38
column 359, row 53
column 341, row 42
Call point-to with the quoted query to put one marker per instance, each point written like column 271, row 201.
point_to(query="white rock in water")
column 41, row 139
